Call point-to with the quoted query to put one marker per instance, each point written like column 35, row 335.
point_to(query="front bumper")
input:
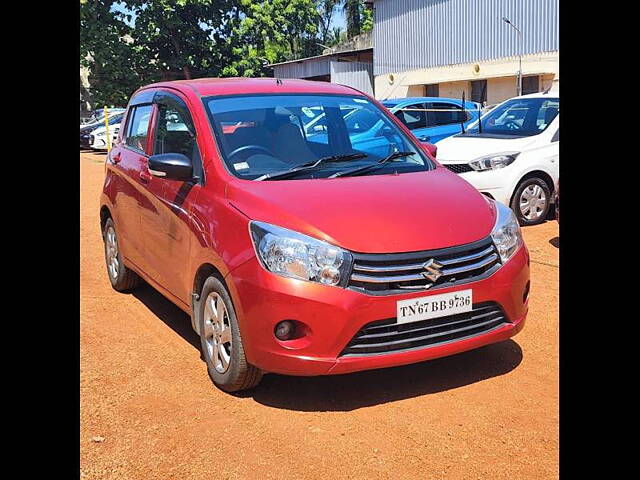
column 334, row 316
column 490, row 183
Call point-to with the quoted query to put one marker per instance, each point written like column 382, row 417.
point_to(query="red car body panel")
column 168, row 232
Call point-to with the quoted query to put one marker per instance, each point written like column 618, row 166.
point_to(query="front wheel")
column 531, row 201
column 220, row 340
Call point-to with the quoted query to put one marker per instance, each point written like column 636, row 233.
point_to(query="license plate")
column 434, row 306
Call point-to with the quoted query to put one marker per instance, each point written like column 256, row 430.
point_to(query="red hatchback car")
column 297, row 244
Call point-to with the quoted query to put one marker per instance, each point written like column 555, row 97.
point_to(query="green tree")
column 105, row 51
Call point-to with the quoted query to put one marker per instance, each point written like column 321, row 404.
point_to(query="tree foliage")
column 129, row 43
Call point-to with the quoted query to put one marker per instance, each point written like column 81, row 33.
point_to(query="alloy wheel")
column 111, row 245
column 217, row 332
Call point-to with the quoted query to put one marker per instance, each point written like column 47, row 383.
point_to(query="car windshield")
column 266, row 134
column 520, row 117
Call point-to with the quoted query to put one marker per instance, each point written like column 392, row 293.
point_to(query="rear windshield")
column 263, row 134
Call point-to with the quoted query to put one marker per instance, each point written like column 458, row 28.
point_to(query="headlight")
column 506, row 233
column 294, row 255
column 494, row 161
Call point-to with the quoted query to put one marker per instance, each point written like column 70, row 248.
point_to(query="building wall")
column 453, row 79
column 358, row 75
column 414, row 34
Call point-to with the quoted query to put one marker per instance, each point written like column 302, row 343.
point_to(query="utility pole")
column 507, row 21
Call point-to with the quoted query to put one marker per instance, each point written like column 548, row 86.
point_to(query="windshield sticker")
column 241, row 166
column 308, row 112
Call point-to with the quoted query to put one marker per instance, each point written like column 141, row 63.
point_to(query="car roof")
column 397, row 101
column 242, row 85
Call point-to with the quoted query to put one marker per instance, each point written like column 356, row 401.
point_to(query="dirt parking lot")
column 149, row 410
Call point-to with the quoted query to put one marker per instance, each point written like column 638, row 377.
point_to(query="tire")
column 122, row 278
column 531, row 201
column 220, row 340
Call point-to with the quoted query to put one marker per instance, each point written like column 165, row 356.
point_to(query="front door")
column 168, row 235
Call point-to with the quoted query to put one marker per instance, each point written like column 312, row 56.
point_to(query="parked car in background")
column 369, row 134
column 97, row 116
column 432, row 119
column 512, row 154
column 299, row 256
column 89, row 135
column 98, row 137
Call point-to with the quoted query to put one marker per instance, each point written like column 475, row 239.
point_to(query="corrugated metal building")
column 444, row 47
column 350, row 67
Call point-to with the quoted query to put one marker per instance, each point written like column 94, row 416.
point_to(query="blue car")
column 430, row 118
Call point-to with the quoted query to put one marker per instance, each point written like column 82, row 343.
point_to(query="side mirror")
column 171, row 166
column 431, row 148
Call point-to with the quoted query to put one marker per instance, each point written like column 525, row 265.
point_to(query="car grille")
column 386, row 336
column 387, row 274
column 458, row 167
column 85, row 141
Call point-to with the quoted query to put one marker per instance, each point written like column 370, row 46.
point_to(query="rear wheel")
column 122, row 278
column 220, row 340
column 531, row 201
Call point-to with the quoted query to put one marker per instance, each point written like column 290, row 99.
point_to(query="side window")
column 138, row 128
column 413, row 116
column 172, row 134
column 547, row 113
column 445, row 114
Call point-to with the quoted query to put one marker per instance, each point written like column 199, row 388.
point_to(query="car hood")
column 458, row 149
column 375, row 213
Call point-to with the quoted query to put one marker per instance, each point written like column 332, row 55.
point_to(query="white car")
column 98, row 137
column 512, row 154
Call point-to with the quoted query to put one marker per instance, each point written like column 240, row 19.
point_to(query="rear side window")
column 138, row 128
column 413, row 116
column 445, row 114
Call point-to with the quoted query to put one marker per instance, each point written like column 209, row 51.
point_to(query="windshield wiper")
column 379, row 163
column 311, row 165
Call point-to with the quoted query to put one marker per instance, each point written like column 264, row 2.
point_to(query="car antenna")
column 464, row 110
column 484, row 89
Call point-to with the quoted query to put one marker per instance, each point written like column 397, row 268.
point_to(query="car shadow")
column 342, row 393
column 351, row 391
column 555, row 241
column 166, row 311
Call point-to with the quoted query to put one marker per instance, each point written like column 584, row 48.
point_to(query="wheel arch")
column 531, row 174
column 105, row 214
column 203, row 272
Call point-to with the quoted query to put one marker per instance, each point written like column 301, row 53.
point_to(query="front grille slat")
column 387, row 336
column 386, row 274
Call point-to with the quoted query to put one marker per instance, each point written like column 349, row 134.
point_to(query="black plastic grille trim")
column 458, row 167
column 387, row 336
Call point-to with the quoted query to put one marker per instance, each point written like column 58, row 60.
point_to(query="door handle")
column 145, row 177
column 115, row 158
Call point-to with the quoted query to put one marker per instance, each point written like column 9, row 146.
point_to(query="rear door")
column 126, row 160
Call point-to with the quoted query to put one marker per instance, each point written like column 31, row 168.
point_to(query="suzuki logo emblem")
column 432, row 270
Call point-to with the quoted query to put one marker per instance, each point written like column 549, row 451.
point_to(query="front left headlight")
column 506, row 233
column 291, row 254
column 493, row 161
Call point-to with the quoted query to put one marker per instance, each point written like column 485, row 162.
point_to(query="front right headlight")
column 294, row 255
column 506, row 233
column 494, row 161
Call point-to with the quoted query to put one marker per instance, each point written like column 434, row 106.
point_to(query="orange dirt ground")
column 491, row 413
